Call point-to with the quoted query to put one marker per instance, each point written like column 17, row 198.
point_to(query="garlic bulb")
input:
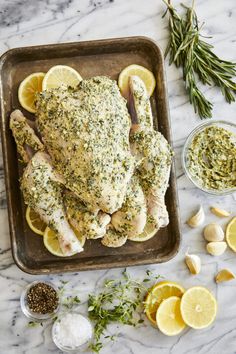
column 224, row 275
column 219, row 212
column 213, row 232
column 193, row 263
column 197, row 219
column 216, row 248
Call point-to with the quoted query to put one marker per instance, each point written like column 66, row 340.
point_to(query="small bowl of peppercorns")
column 40, row 300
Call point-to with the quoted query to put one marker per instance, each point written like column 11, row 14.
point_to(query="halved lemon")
column 168, row 317
column 138, row 70
column 148, row 232
column 27, row 90
column 231, row 234
column 34, row 221
column 61, row 76
column 198, row 307
column 51, row 242
column 157, row 294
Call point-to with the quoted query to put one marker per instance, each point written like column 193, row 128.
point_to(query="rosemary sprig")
column 195, row 56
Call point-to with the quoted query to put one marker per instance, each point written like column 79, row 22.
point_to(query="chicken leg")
column 153, row 155
column 42, row 191
column 92, row 224
column 131, row 218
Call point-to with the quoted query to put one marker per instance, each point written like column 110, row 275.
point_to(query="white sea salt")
column 72, row 330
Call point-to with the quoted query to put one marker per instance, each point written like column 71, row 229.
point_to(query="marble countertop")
column 31, row 22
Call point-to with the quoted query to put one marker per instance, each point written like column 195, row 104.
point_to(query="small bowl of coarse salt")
column 72, row 332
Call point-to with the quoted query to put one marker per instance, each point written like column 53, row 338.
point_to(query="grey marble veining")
column 31, row 22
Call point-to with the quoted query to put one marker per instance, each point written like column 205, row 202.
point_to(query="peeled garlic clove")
column 224, row 275
column 193, row 263
column 216, row 248
column 213, row 232
column 219, row 212
column 197, row 219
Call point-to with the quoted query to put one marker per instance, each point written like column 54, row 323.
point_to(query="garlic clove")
column 224, row 275
column 197, row 219
column 213, row 232
column 193, row 263
column 219, row 212
column 216, row 248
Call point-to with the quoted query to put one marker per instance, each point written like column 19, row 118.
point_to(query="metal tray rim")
column 123, row 263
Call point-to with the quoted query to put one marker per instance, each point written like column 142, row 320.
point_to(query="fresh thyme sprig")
column 195, row 56
column 121, row 301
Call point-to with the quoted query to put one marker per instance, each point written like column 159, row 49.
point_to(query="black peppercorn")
column 42, row 298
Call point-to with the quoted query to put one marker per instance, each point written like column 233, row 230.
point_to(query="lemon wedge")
column 157, row 294
column 145, row 75
column 27, row 90
column 61, row 76
column 51, row 242
column 198, row 307
column 168, row 317
column 231, row 234
column 34, row 221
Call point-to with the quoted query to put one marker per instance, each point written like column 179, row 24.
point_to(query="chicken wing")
column 24, row 136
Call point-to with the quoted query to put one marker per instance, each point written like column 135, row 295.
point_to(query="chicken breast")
column 86, row 131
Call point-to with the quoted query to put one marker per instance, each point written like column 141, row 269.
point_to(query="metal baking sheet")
column 101, row 57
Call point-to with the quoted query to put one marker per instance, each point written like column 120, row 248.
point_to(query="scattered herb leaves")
column 120, row 301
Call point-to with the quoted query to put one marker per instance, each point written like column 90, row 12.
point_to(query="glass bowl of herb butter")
column 209, row 157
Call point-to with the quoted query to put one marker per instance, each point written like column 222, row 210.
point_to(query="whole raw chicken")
column 89, row 167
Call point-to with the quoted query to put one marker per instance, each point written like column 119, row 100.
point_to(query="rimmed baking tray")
column 101, row 57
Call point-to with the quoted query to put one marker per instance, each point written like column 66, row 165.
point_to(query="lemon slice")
column 138, row 70
column 168, row 317
column 148, row 232
column 231, row 234
column 27, row 90
column 157, row 294
column 51, row 242
column 61, row 75
column 198, row 307
column 34, row 221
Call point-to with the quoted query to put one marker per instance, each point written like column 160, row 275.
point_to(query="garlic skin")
column 224, row 275
column 193, row 263
column 213, row 232
column 219, row 212
column 197, row 219
column 216, row 248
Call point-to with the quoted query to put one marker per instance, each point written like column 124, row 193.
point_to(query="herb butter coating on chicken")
column 86, row 131
column 91, row 167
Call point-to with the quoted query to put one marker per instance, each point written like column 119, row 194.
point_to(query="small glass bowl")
column 220, row 123
column 82, row 348
column 33, row 315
